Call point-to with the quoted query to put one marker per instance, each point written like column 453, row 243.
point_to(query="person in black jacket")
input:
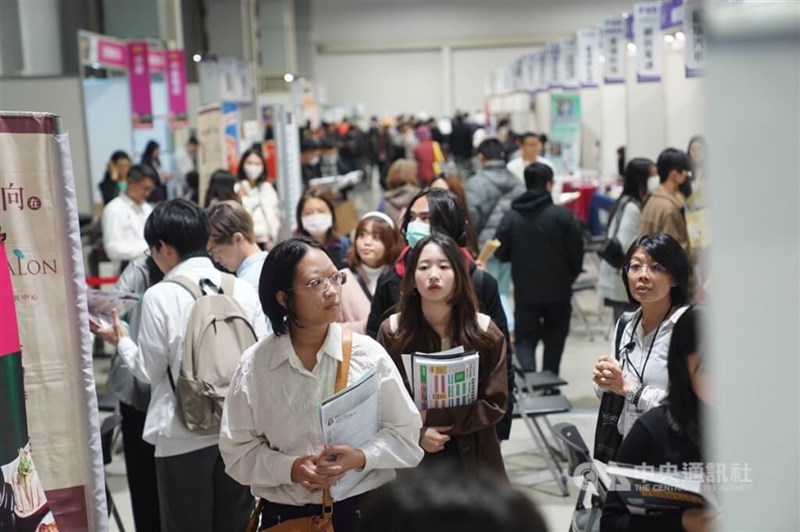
column 544, row 243
column 434, row 210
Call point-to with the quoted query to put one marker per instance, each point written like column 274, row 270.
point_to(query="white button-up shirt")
column 271, row 416
column 165, row 315
column 123, row 228
column 656, row 378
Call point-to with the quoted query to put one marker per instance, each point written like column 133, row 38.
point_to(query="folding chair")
column 108, row 431
column 581, row 464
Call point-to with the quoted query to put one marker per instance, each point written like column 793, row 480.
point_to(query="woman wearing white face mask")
column 316, row 219
column 259, row 198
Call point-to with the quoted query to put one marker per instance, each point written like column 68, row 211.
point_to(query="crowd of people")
column 323, row 308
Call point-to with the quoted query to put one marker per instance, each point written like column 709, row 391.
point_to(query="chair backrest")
column 580, row 458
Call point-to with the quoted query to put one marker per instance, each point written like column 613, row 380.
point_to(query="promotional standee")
column 565, row 132
column 50, row 451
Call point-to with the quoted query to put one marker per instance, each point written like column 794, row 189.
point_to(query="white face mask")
column 652, row 183
column 317, row 224
column 253, row 171
column 314, row 161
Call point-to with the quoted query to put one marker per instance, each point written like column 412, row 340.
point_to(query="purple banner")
column 671, row 14
column 112, row 54
column 139, row 81
column 176, row 86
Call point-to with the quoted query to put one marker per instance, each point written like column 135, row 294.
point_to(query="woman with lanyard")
column 377, row 246
column 271, row 437
column 656, row 275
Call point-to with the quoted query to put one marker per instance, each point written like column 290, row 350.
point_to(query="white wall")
column 60, row 96
column 470, row 69
column 684, row 101
column 385, row 83
column 592, row 127
column 613, row 103
column 646, row 116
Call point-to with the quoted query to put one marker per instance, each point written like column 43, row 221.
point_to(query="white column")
column 40, row 34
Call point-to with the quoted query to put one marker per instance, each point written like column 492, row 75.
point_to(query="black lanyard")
column 640, row 375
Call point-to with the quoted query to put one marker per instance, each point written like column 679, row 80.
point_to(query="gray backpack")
column 217, row 334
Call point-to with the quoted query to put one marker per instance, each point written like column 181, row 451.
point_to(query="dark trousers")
column 196, row 495
column 548, row 322
column 141, row 470
column 346, row 513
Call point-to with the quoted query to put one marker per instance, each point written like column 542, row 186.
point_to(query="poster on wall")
column 565, row 132
column 51, row 466
column 614, row 49
column 176, row 89
column 588, row 57
column 139, row 82
column 695, row 48
column 569, row 76
column 648, row 41
column 230, row 128
column 211, row 154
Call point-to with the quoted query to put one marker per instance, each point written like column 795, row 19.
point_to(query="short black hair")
column 537, row 175
column 277, row 275
column 179, row 223
column 309, row 145
column 119, row 154
column 446, row 215
column 491, row 149
column 193, row 140
column 671, row 159
column 527, row 134
column 138, row 172
column 666, row 251
column 444, row 497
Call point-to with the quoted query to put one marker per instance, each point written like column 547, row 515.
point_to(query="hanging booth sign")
column 647, row 37
column 156, row 60
column 614, row 50
column 176, row 88
column 230, row 125
column 532, row 63
column 544, row 72
column 51, row 464
column 139, row 81
column 103, row 51
column 694, row 29
column 569, row 75
column 588, row 57
column 671, row 14
column 554, row 65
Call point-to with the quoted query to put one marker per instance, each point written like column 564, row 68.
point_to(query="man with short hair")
column 530, row 150
column 124, row 217
column 544, row 243
column 232, row 242
column 663, row 211
column 195, row 493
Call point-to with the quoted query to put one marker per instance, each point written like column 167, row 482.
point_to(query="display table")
column 582, row 205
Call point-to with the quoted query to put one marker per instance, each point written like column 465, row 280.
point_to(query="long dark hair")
column 692, row 163
column 634, row 187
column 446, row 214
column 240, row 175
column 277, row 275
column 666, row 251
column 116, row 156
column 464, row 330
column 683, row 404
column 147, row 156
column 331, row 235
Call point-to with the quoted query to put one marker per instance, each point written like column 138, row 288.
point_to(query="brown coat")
column 663, row 213
column 473, row 425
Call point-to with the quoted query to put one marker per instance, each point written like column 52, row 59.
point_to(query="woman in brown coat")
column 438, row 310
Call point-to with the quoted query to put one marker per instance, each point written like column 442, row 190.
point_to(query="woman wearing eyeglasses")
column 656, row 276
column 271, row 437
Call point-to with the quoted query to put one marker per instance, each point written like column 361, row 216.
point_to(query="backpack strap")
column 622, row 324
column 227, row 283
column 344, row 365
column 190, row 286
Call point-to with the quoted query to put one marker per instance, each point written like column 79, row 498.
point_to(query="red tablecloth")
column 581, row 205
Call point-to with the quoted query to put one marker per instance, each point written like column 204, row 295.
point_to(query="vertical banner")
column 533, row 72
column 230, row 128
column 694, row 29
column 176, row 89
column 554, row 65
column 647, row 37
column 614, row 50
column 588, row 57
column 50, row 451
column 139, row 80
column 544, row 72
column 565, row 132
column 671, row 14
column 212, row 147
column 156, row 60
column 569, row 76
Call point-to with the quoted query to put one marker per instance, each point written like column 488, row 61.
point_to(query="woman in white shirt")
column 377, row 245
column 259, row 198
column 656, row 275
column 623, row 224
column 271, row 437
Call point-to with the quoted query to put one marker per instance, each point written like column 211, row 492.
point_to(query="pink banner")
column 157, row 60
column 139, row 79
column 112, row 54
column 176, row 87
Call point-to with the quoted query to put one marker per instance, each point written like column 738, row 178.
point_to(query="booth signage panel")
column 648, row 40
column 139, row 81
column 176, row 87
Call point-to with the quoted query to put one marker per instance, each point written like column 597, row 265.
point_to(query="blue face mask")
column 416, row 231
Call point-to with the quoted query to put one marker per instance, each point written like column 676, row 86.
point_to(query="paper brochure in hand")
column 444, row 379
column 351, row 417
column 488, row 250
column 101, row 303
column 648, row 491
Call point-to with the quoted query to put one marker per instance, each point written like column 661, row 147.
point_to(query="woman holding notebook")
column 438, row 311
